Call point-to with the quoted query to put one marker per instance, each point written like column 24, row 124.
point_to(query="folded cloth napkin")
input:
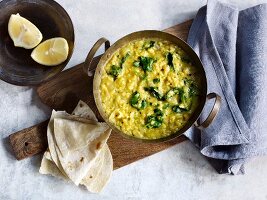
column 232, row 46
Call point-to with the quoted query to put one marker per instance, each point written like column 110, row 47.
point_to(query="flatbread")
column 49, row 167
column 82, row 161
column 51, row 139
column 83, row 110
column 71, row 135
column 77, row 163
column 97, row 177
column 95, row 182
column 52, row 144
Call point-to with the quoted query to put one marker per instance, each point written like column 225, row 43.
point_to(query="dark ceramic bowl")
column 16, row 65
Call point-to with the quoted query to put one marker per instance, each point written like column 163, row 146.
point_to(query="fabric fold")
column 232, row 47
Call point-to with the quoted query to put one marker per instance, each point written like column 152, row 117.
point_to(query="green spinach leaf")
column 170, row 60
column 144, row 77
column 193, row 89
column 124, row 58
column 185, row 99
column 178, row 109
column 135, row 98
column 156, row 80
column 158, row 112
column 166, row 106
column 171, row 93
column 154, row 92
column 148, row 44
column 143, row 104
column 136, row 101
column 145, row 63
column 136, row 63
column 155, row 120
column 115, row 71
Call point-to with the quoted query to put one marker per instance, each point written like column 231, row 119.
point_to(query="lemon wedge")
column 23, row 33
column 51, row 52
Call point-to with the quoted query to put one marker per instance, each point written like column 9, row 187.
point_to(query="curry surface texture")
column 149, row 88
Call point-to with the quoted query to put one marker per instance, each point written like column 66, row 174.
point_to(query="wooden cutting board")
column 63, row 93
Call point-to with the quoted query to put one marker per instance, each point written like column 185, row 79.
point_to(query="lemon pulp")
column 23, row 33
column 51, row 52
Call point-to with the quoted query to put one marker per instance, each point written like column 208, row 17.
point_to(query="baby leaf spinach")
column 124, row 58
column 185, row 99
column 145, row 63
column 149, row 44
column 171, row 93
column 170, row 60
column 193, row 89
column 143, row 104
column 156, row 80
column 166, row 106
column 136, row 63
column 115, row 71
column 182, row 96
column 158, row 112
column 155, row 120
column 136, row 101
column 144, row 77
column 135, row 98
column 178, row 109
column 154, row 92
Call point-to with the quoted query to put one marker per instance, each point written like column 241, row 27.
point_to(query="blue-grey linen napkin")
column 232, row 46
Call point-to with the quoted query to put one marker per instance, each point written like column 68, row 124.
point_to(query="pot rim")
column 149, row 34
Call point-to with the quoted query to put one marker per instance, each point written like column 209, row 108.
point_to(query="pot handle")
column 213, row 113
column 91, row 54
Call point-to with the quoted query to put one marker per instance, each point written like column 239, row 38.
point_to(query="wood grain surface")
column 64, row 92
column 29, row 141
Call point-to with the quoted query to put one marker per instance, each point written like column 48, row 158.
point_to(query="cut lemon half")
column 51, row 52
column 23, row 33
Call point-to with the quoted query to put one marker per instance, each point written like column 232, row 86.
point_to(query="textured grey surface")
column 177, row 173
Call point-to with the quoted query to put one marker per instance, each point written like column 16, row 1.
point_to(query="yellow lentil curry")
column 149, row 88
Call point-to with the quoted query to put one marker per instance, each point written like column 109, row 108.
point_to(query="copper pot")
column 151, row 34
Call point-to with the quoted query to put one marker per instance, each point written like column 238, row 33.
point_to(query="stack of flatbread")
column 77, row 149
